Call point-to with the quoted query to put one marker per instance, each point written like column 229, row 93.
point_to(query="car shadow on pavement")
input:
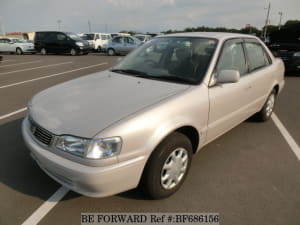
column 18, row 170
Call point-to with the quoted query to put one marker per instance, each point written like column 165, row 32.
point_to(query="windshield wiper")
column 130, row 72
column 176, row 79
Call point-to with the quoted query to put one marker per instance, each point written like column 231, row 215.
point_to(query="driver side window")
column 232, row 58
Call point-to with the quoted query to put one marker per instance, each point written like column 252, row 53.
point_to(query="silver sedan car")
column 121, row 45
column 140, row 123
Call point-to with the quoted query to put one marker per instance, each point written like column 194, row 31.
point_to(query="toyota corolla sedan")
column 140, row 123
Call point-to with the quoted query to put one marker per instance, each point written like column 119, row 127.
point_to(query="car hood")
column 85, row 106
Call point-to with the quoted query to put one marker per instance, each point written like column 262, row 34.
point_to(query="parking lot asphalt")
column 249, row 176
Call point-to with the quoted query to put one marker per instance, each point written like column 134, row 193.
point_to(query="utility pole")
column 280, row 19
column 1, row 26
column 90, row 27
column 58, row 23
column 267, row 21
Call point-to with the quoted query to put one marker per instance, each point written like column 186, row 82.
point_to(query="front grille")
column 41, row 134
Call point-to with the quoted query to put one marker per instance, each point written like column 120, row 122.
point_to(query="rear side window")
column 103, row 37
column 257, row 56
column 232, row 58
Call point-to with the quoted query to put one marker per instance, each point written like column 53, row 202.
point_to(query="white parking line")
column 34, row 68
column 17, row 64
column 12, row 113
column 8, row 60
column 38, row 214
column 53, row 75
column 289, row 139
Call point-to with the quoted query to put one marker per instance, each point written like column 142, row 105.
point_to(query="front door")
column 228, row 101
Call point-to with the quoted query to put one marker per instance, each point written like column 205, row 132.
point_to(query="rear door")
column 260, row 76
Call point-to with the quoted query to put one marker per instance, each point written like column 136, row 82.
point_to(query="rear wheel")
column 43, row 51
column 99, row 49
column 111, row 52
column 167, row 167
column 19, row 51
column 265, row 113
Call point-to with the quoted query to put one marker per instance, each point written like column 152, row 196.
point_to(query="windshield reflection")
column 176, row 59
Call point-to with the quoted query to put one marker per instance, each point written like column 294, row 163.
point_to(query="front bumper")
column 86, row 180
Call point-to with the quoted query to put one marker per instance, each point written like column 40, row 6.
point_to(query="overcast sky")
column 139, row 15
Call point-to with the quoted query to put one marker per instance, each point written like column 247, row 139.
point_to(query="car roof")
column 216, row 35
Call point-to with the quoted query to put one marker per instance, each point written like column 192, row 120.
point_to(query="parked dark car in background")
column 286, row 45
column 60, row 42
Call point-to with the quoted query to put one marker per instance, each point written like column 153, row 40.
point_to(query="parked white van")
column 98, row 41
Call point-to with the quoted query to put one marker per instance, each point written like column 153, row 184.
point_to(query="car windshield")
column 88, row 37
column 75, row 37
column 175, row 59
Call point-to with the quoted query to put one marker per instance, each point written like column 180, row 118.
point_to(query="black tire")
column 152, row 179
column 19, row 51
column 99, row 49
column 43, row 51
column 111, row 52
column 266, row 112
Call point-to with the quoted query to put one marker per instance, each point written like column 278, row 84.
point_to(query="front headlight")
column 80, row 44
column 297, row 54
column 89, row 148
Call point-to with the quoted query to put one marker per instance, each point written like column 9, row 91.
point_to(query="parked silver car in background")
column 15, row 45
column 141, row 122
column 122, row 45
column 143, row 37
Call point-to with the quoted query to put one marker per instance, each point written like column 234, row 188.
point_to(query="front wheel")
column 265, row 113
column 43, row 51
column 19, row 51
column 73, row 52
column 111, row 52
column 167, row 167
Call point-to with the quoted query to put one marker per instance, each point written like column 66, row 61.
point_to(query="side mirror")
column 228, row 76
column 11, row 42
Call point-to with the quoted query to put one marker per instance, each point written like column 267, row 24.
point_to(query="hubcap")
column 73, row 52
column 174, row 168
column 19, row 51
column 43, row 51
column 270, row 105
column 110, row 52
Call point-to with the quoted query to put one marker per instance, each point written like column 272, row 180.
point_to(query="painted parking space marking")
column 39, row 214
column 289, row 139
column 8, row 60
column 12, row 113
column 23, row 63
column 35, row 68
column 53, row 75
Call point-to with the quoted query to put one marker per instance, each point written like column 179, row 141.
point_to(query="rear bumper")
column 89, row 181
